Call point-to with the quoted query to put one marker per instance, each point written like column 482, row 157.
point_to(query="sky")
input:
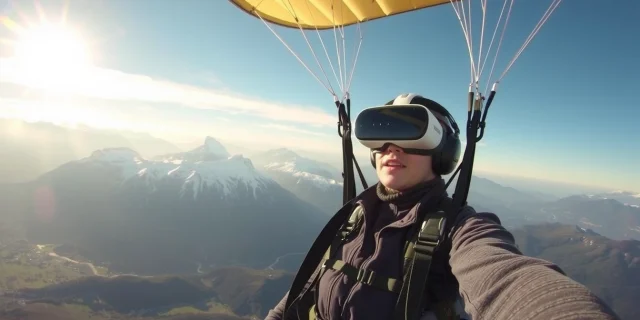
column 182, row 70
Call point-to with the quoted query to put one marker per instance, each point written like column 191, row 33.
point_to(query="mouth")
column 392, row 163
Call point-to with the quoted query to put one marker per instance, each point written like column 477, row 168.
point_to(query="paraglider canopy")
column 322, row 14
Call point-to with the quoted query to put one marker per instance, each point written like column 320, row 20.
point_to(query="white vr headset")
column 412, row 127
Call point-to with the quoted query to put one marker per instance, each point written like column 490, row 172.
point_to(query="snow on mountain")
column 627, row 198
column 284, row 160
column 293, row 169
column 607, row 216
column 208, row 166
column 312, row 181
column 212, row 149
column 211, row 146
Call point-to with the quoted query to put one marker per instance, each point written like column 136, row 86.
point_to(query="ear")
column 372, row 157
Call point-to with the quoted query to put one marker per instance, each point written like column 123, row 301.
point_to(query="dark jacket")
column 495, row 280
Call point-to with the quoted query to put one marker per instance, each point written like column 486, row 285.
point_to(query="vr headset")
column 415, row 124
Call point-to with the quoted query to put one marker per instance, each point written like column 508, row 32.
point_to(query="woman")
column 479, row 262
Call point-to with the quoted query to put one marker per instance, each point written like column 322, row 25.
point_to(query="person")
column 481, row 264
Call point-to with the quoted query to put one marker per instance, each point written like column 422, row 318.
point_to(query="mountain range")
column 206, row 207
column 166, row 215
column 610, row 268
column 314, row 182
column 29, row 149
column 625, row 197
column 609, row 217
column 602, row 212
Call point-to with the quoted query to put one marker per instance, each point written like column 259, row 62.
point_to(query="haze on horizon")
column 176, row 73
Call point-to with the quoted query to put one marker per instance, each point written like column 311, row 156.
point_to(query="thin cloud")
column 293, row 129
column 117, row 85
column 109, row 84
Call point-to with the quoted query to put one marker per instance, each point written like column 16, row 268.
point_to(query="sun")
column 47, row 52
column 50, row 55
column 49, row 61
column 51, row 46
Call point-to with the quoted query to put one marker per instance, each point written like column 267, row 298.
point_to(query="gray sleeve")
column 498, row 282
column 278, row 310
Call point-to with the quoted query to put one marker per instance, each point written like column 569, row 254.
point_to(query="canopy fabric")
column 319, row 14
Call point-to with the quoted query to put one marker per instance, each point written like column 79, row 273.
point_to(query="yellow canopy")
column 312, row 14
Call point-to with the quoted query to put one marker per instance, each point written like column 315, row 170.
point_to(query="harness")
column 419, row 249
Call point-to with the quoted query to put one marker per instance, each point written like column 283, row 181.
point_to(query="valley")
column 25, row 266
column 35, row 279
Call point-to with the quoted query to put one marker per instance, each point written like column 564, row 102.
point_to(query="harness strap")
column 424, row 248
column 309, row 267
column 366, row 276
column 344, row 123
column 418, row 256
column 352, row 225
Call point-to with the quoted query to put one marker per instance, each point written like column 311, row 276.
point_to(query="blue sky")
column 566, row 111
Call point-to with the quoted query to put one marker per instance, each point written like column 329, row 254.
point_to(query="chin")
column 393, row 183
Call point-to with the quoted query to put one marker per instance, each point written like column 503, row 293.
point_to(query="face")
column 399, row 171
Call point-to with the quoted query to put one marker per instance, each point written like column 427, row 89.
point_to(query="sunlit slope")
column 194, row 209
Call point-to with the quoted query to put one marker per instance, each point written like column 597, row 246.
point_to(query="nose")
column 392, row 148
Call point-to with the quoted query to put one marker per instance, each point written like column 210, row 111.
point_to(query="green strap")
column 350, row 226
column 312, row 312
column 366, row 276
column 309, row 272
column 425, row 245
column 418, row 256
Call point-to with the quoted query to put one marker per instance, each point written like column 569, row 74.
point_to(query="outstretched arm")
column 278, row 310
column 498, row 282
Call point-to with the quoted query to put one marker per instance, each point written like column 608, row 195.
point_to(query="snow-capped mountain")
column 211, row 146
column 29, row 149
column 168, row 215
column 315, row 182
column 212, row 149
column 608, row 217
column 626, row 197
column 208, row 167
column 285, row 160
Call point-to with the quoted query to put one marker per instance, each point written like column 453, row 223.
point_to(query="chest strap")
column 366, row 276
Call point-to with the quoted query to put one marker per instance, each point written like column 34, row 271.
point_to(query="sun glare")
column 51, row 45
column 49, row 60
column 50, row 54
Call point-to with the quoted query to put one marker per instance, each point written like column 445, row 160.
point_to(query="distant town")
column 26, row 265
